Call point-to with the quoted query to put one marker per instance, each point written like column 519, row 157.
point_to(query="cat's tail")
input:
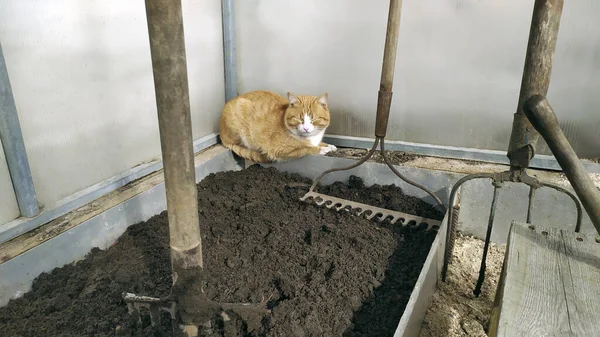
column 245, row 153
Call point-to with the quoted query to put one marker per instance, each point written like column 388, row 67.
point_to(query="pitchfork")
column 536, row 80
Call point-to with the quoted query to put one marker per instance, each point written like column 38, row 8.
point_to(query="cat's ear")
column 323, row 100
column 292, row 98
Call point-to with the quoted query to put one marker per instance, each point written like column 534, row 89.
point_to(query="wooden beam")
column 549, row 286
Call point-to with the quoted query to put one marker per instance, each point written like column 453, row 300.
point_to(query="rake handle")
column 384, row 99
column 542, row 117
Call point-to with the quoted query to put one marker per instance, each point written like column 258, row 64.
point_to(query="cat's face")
column 307, row 116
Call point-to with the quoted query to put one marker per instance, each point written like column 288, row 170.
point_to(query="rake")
column 383, row 111
column 521, row 150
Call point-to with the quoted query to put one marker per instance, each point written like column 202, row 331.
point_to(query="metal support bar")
column 14, row 147
column 543, row 33
column 229, row 51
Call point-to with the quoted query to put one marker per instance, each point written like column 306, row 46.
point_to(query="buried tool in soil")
column 187, row 304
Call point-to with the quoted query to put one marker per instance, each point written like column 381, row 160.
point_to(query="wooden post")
column 545, row 22
column 167, row 48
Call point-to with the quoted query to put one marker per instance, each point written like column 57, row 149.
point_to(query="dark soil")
column 328, row 273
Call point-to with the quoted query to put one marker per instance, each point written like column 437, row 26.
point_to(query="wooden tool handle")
column 384, row 98
column 542, row 117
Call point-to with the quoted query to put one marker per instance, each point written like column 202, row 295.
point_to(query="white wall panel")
column 458, row 69
column 82, row 78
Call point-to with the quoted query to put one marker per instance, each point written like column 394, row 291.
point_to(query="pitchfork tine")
column 488, row 234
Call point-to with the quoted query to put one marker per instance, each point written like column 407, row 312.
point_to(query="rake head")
column 370, row 212
column 155, row 307
column 251, row 313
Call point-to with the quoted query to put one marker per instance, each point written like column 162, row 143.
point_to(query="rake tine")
column 396, row 218
column 135, row 313
column 383, row 217
column 477, row 290
column 154, row 310
column 366, row 211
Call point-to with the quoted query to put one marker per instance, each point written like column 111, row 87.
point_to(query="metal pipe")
column 14, row 147
column 537, row 71
column 167, row 48
column 229, row 51
column 542, row 117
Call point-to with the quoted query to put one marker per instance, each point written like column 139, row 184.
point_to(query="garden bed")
column 327, row 273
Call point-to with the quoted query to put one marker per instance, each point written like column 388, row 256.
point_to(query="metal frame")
column 543, row 162
column 229, row 51
column 14, row 147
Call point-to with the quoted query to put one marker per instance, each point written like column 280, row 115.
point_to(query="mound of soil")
column 328, row 273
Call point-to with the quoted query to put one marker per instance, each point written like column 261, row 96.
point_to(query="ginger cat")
column 264, row 127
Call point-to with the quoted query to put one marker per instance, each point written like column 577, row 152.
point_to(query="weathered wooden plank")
column 583, row 263
column 550, row 284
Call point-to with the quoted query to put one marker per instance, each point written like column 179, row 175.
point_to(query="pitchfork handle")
column 542, row 117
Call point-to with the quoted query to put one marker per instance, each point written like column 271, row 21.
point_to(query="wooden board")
column 550, row 284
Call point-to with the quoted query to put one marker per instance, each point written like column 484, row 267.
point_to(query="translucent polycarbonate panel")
column 458, row 69
column 81, row 74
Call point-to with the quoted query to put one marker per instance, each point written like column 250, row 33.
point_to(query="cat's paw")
column 326, row 149
column 332, row 147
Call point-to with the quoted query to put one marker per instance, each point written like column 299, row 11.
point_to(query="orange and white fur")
column 264, row 127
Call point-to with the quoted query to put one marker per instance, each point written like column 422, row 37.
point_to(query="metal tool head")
column 370, row 212
column 155, row 307
column 514, row 175
column 251, row 313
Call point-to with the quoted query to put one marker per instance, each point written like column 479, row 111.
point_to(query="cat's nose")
column 305, row 128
